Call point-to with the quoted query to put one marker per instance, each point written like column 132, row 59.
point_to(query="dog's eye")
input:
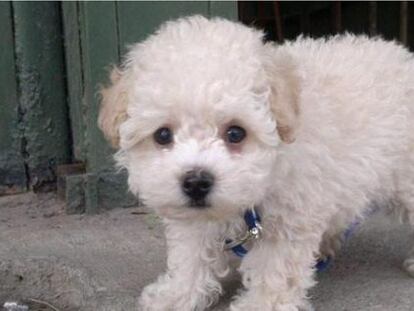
column 235, row 134
column 163, row 136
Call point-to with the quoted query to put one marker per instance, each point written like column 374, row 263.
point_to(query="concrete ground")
column 101, row 262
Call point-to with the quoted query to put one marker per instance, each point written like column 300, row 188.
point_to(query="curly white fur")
column 330, row 130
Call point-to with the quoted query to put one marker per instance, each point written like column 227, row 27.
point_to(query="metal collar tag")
column 253, row 232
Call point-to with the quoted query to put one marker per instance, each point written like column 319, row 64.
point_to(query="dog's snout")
column 197, row 184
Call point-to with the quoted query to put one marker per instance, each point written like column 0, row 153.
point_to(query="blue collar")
column 252, row 220
column 254, row 229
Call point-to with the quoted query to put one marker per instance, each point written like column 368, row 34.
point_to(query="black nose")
column 197, row 184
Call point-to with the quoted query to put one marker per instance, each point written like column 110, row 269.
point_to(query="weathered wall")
column 41, row 88
column 34, row 135
column 12, row 167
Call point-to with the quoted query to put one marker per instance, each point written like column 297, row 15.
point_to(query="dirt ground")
column 101, row 262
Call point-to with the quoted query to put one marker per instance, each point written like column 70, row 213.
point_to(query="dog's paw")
column 173, row 295
column 244, row 303
column 159, row 297
column 409, row 266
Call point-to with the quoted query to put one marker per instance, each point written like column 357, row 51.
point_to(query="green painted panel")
column 12, row 169
column 74, row 77
column 42, row 98
column 227, row 9
column 99, row 45
column 137, row 20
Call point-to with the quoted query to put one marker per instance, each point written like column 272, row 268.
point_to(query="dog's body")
column 328, row 130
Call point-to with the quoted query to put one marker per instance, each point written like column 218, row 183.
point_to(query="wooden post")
column 404, row 22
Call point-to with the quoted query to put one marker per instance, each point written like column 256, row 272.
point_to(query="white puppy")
column 211, row 122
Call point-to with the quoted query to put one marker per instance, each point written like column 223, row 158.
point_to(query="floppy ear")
column 113, row 107
column 285, row 87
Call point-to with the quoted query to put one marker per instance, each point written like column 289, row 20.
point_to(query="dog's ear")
column 285, row 87
column 113, row 107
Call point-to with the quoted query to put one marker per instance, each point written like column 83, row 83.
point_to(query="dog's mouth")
column 199, row 204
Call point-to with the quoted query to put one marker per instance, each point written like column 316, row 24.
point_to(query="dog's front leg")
column 276, row 275
column 194, row 264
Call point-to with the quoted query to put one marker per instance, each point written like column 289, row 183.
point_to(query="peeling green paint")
column 42, row 112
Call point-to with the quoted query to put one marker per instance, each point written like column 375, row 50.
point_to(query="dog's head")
column 197, row 112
